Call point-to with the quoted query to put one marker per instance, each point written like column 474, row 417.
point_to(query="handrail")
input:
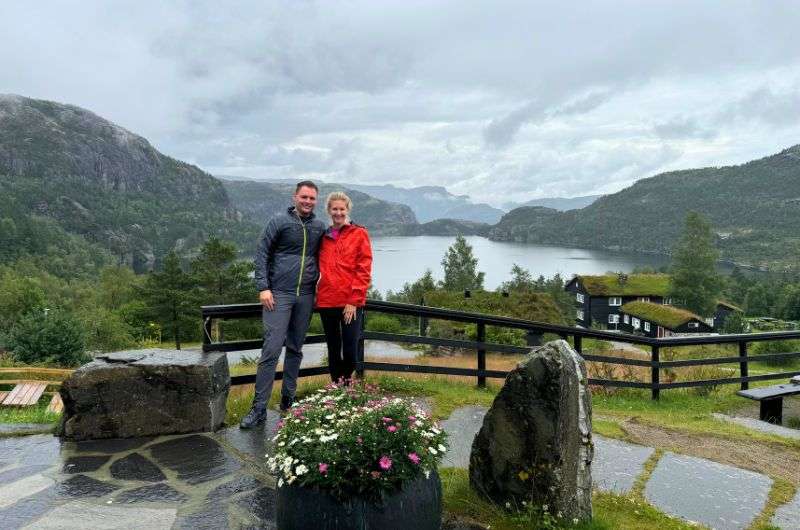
column 254, row 310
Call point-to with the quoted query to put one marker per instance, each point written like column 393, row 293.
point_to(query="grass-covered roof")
column 663, row 315
column 629, row 285
column 539, row 307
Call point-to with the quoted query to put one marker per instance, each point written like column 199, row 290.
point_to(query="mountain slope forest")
column 77, row 184
column 754, row 209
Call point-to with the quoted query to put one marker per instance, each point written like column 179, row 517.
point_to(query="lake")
column 398, row 260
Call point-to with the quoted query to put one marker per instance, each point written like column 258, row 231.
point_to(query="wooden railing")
column 481, row 347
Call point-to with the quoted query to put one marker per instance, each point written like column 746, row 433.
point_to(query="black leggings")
column 342, row 340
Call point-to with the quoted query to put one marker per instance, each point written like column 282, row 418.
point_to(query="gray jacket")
column 286, row 257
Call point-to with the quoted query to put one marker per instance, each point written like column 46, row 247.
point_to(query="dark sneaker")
column 253, row 418
column 286, row 403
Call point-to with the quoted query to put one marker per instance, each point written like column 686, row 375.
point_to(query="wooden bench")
column 770, row 399
column 25, row 394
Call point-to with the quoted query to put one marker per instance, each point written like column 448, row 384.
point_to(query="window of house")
column 613, row 319
column 626, row 319
column 579, row 314
column 615, row 300
column 644, row 298
column 647, row 326
column 667, row 301
column 579, row 297
column 693, row 325
column 636, row 323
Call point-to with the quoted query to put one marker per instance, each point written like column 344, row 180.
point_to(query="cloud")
column 682, row 127
column 537, row 98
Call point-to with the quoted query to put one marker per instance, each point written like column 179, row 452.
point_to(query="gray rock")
column 144, row 393
column 136, row 467
column 787, row 517
column 535, row 444
column 461, row 428
column 83, row 486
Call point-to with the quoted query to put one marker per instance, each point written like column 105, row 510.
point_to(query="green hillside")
column 754, row 209
column 77, row 179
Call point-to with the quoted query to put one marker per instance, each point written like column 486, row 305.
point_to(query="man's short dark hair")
column 306, row 184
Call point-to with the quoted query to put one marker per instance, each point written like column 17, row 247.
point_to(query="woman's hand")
column 349, row 313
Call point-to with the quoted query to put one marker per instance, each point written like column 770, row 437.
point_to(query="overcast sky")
column 499, row 100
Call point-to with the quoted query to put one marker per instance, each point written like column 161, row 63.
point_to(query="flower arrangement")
column 350, row 440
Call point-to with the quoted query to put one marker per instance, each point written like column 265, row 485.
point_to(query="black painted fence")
column 425, row 313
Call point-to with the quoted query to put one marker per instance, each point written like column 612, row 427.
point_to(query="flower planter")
column 418, row 506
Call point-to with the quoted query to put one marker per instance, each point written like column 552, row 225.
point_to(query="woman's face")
column 338, row 211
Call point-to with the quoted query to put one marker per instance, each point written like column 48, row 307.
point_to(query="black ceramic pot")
column 417, row 506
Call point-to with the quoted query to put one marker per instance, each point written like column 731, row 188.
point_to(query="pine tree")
column 460, row 267
column 695, row 283
column 222, row 279
column 171, row 298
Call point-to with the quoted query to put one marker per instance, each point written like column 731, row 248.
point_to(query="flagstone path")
column 220, row 481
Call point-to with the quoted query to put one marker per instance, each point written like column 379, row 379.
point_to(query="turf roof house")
column 599, row 299
column 658, row 320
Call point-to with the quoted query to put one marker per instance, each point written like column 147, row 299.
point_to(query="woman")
column 345, row 263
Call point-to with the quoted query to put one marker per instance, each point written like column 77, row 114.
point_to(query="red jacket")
column 345, row 266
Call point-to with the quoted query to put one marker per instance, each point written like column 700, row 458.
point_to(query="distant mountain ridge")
column 754, row 209
column 259, row 199
column 63, row 168
column 434, row 202
column 561, row 204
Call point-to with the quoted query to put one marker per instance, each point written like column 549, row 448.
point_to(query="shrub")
column 350, row 440
column 55, row 338
column 777, row 346
column 383, row 323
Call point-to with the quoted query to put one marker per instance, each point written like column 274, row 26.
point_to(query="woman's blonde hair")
column 339, row 196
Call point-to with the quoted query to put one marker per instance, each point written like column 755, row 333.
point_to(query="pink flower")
column 385, row 462
column 412, row 418
column 360, row 440
column 323, row 468
column 387, row 420
column 391, row 428
column 414, row 457
column 280, row 424
column 376, row 474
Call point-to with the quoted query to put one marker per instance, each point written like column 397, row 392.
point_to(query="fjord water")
column 398, row 260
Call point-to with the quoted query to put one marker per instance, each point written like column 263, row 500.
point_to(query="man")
column 286, row 276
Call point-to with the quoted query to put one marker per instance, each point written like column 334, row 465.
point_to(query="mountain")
column 66, row 173
column 561, row 204
column 433, row 202
column 258, row 200
column 754, row 209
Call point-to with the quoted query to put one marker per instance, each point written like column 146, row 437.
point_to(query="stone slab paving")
column 187, row 481
column 787, row 517
column 717, row 495
column 762, row 426
column 616, row 464
column 461, row 428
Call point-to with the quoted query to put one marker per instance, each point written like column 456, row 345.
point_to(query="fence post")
column 481, row 353
column 207, row 323
column 360, row 352
column 578, row 343
column 743, row 366
column 655, row 371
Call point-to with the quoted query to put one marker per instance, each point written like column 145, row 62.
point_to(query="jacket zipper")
column 302, row 257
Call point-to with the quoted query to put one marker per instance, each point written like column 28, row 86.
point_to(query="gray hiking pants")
column 286, row 323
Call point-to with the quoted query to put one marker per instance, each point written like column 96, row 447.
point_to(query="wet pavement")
column 220, row 480
column 193, row 481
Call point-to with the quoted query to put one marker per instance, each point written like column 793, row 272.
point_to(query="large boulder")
column 145, row 393
column 535, row 444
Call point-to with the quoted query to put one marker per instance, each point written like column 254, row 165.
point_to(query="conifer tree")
column 695, row 284
column 460, row 267
column 171, row 299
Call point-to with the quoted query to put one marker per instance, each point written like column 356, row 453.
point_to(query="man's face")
column 304, row 200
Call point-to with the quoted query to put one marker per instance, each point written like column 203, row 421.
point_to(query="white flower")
column 330, row 416
column 432, row 450
column 281, row 444
column 301, row 470
column 280, row 482
column 427, row 473
column 427, row 434
column 442, row 448
column 434, row 430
